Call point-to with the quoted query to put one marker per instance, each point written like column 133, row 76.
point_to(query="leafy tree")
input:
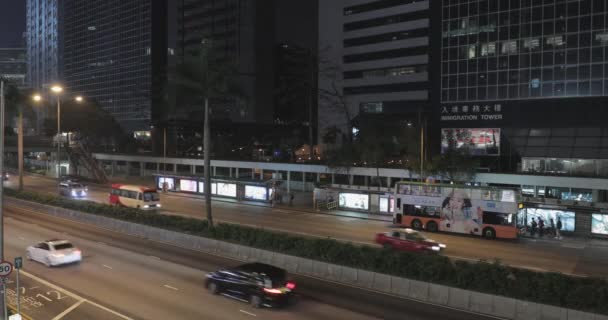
column 18, row 102
column 376, row 145
column 456, row 165
column 93, row 126
column 202, row 76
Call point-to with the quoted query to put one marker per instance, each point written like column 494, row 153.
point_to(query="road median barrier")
column 420, row 277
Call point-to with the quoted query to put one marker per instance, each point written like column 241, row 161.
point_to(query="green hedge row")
column 588, row 294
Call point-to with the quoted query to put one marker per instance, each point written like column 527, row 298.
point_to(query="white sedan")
column 54, row 252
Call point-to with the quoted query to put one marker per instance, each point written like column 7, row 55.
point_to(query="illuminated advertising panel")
column 187, row 185
column 354, row 201
column 478, row 141
column 567, row 217
column 170, row 183
column 599, row 223
column 201, row 187
column 226, row 189
column 383, row 204
column 255, row 193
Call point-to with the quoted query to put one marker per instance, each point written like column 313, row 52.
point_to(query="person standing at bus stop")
column 558, row 229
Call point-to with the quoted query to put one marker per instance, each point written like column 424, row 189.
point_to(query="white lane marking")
column 103, row 243
column 68, row 310
column 573, row 246
column 75, row 296
column 106, row 266
column 154, row 257
column 170, row 287
column 247, row 313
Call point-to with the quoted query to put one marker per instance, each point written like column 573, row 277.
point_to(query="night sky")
column 12, row 16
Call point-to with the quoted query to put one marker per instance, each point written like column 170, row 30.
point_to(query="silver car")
column 73, row 189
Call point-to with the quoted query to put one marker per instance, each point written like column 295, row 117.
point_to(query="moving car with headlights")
column 54, row 252
column 73, row 189
column 408, row 240
column 261, row 285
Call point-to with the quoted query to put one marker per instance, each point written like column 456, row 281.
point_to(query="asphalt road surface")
column 565, row 257
column 124, row 277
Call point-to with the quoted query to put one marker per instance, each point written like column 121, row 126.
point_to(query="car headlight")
column 435, row 248
column 74, row 192
column 158, row 205
column 146, row 206
column 442, row 246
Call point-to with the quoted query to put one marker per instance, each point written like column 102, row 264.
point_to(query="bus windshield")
column 151, row 196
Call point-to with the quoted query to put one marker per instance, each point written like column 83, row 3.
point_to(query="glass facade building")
column 13, row 65
column 115, row 53
column 535, row 69
column 523, row 49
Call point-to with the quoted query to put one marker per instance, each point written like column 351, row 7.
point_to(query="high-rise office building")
column 243, row 30
column 526, row 78
column 115, row 53
column 13, row 65
column 43, row 41
column 380, row 51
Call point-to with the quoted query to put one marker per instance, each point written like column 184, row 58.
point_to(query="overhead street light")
column 57, row 89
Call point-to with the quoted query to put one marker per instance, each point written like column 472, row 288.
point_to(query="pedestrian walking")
column 291, row 196
column 533, row 227
column 558, row 229
column 541, row 227
column 552, row 226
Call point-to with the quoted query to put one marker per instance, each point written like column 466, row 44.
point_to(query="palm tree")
column 18, row 101
column 203, row 75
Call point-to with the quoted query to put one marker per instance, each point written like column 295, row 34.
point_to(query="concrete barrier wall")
column 477, row 302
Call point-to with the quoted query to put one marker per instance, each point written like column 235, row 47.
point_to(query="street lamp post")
column 57, row 90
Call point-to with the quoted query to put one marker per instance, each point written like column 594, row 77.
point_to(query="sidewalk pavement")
column 568, row 240
column 302, row 201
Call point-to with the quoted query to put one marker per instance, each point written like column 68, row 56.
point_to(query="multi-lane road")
column 568, row 257
column 124, row 277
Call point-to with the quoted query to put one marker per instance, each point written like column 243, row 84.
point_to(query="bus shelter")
column 354, row 198
column 238, row 189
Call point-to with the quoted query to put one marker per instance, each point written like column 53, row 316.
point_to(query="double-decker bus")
column 134, row 197
column 485, row 211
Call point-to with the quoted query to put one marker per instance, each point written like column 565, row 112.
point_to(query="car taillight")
column 272, row 290
column 290, row 285
column 77, row 251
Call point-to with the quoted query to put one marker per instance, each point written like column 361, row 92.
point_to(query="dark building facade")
column 13, row 65
column 115, row 53
column 244, row 31
column 382, row 51
column 525, row 78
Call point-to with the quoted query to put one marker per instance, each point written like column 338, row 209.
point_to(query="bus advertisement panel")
column 480, row 211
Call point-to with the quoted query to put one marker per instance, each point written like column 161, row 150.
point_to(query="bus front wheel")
column 489, row 233
column 431, row 226
column 416, row 224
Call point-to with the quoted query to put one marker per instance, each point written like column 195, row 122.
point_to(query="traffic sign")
column 5, row 268
column 18, row 262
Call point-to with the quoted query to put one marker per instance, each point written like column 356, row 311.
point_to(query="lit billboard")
column 478, row 141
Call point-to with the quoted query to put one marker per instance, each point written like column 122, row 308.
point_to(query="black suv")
column 257, row 283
